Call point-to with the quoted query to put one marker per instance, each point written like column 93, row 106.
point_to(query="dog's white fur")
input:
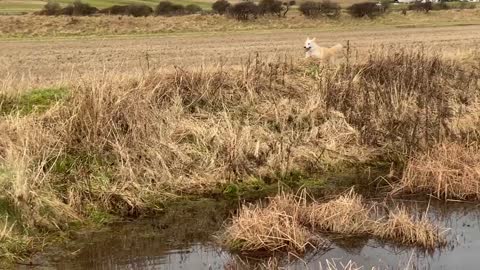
column 323, row 53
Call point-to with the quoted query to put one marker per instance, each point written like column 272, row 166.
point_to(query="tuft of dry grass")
column 447, row 171
column 402, row 227
column 347, row 215
column 272, row 227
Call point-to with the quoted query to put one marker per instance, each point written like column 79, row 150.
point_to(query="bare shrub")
column 420, row 6
column 78, row 8
column 115, row 10
column 50, row 9
column 135, row 10
column 287, row 5
column 320, row 9
column 270, row 7
column 221, row 6
column 193, row 9
column 139, row 10
column 243, row 11
column 369, row 9
column 167, row 8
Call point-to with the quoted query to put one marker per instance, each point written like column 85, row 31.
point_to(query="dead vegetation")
column 270, row 228
column 402, row 227
column 45, row 26
column 447, row 171
column 347, row 215
column 120, row 145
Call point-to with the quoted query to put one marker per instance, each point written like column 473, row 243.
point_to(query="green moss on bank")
column 33, row 101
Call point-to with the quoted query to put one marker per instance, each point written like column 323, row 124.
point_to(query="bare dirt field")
column 49, row 60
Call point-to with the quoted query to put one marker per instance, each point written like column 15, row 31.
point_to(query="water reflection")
column 183, row 240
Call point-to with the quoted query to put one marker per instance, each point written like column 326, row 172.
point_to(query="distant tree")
column 139, row 10
column 273, row 7
column 221, row 6
column 243, row 11
column 369, row 9
column 51, row 8
column 287, row 6
column 167, row 8
column 320, row 9
column 193, row 9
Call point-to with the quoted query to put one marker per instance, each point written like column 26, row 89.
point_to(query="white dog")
column 323, row 53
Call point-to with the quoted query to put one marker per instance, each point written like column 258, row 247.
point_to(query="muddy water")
column 184, row 238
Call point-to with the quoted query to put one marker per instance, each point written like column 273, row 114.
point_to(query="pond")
column 184, row 238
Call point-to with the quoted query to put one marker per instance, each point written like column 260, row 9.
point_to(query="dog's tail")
column 337, row 48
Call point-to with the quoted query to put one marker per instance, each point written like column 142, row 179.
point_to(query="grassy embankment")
column 114, row 146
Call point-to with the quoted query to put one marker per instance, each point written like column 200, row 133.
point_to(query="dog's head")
column 308, row 43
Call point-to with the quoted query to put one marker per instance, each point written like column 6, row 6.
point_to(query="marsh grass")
column 120, row 146
column 447, row 171
column 403, row 227
column 269, row 229
column 348, row 215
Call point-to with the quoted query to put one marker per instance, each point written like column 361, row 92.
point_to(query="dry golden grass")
column 44, row 26
column 448, row 171
column 121, row 145
column 350, row 215
column 270, row 228
column 347, row 215
column 281, row 225
column 402, row 227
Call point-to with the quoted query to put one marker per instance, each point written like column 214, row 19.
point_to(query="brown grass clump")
column 346, row 215
column 402, row 227
column 269, row 228
column 402, row 100
column 279, row 225
column 448, row 171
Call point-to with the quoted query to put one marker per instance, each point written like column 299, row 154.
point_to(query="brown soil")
column 51, row 59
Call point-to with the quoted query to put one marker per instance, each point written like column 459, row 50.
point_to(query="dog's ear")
column 313, row 39
column 308, row 38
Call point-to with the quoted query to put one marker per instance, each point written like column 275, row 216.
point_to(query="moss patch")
column 37, row 100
